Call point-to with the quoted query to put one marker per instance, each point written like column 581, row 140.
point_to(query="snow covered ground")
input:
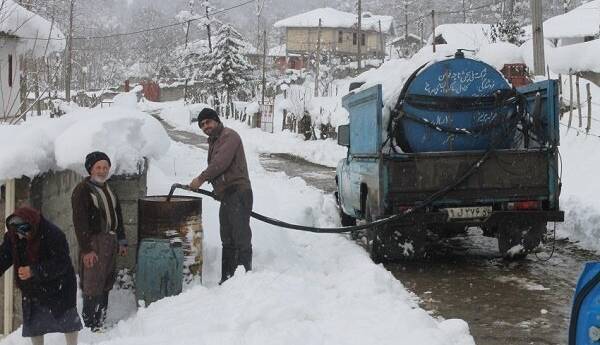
column 304, row 289
column 324, row 152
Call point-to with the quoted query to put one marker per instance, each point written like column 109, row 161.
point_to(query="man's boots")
column 228, row 263
column 245, row 258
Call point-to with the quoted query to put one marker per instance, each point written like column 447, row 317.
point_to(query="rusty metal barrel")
column 181, row 217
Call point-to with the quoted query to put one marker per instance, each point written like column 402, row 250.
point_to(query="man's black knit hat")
column 94, row 157
column 208, row 113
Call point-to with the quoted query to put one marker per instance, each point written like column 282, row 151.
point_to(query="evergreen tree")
column 227, row 67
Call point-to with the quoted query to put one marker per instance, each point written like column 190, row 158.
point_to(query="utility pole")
column 208, row 30
column 318, row 59
column 185, row 86
column 382, row 43
column 69, row 54
column 464, row 12
column 422, row 29
column 433, row 28
column 538, row 38
column 358, row 34
column 406, row 21
column 264, row 66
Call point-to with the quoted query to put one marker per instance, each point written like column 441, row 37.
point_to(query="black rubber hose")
column 343, row 229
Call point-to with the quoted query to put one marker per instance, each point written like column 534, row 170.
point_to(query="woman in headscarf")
column 39, row 252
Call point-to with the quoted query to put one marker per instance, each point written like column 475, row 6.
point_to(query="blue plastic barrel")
column 585, row 315
column 461, row 94
column 159, row 269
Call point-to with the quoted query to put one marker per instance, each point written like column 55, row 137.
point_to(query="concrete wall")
column 51, row 193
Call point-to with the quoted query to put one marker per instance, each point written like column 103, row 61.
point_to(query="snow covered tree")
column 226, row 66
column 509, row 27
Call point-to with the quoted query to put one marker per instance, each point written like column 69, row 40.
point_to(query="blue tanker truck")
column 460, row 148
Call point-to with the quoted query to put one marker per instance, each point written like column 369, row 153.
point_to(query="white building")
column 22, row 33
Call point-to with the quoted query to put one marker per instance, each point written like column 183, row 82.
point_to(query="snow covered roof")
column 402, row 38
column 41, row 144
column 468, row 36
column 332, row 18
column 17, row 21
column 579, row 22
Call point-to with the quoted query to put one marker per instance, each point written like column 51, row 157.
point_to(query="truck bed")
column 507, row 175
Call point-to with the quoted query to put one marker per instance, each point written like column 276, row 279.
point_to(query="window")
column 354, row 38
column 340, row 36
column 363, row 39
column 10, row 70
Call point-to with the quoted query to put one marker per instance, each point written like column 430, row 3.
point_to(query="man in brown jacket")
column 99, row 228
column 228, row 173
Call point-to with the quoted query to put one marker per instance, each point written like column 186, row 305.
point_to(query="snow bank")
column 577, row 57
column 579, row 197
column 42, row 144
column 579, row 22
column 466, row 36
column 323, row 152
column 17, row 21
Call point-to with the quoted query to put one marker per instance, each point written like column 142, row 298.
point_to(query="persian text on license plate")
column 469, row 212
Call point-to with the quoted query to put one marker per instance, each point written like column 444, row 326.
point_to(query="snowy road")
column 525, row 302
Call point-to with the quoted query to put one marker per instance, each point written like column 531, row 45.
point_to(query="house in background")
column 338, row 33
column 282, row 60
column 405, row 46
column 23, row 34
column 582, row 24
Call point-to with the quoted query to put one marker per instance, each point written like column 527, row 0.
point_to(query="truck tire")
column 515, row 241
column 373, row 241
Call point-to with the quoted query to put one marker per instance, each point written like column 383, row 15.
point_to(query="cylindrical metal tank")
column 180, row 217
column 457, row 104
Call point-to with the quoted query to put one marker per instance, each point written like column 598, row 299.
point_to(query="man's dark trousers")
column 236, row 236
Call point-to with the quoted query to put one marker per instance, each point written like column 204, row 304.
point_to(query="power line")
column 144, row 30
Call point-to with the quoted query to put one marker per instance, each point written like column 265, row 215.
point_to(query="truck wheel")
column 515, row 241
column 373, row 241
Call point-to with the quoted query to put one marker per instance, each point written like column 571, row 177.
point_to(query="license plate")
column 469, row 212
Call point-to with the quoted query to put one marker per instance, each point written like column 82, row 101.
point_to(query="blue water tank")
column 457, row 104
column 159, row 270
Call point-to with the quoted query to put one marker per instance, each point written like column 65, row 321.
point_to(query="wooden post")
column 560, row 93
column 433, row 28
column 318, row 59
column 538, row 37
column 264, row 66
column 570, row 98
column 406, row 21
column 358, row 33
column 185, row 86
column 69, row 54
column 422, row 29
column 9, row 208
column 589, row 108
column 578, row 100
column 382, row 43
